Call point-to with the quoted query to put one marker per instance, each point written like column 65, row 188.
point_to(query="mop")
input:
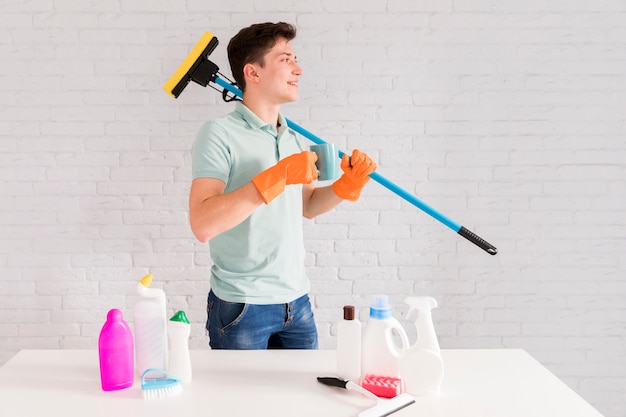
column 198, row 68
column 382, row 408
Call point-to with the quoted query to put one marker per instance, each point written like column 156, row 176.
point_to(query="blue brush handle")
column 469, row 235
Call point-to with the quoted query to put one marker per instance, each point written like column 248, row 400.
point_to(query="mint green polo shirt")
column 261, row 260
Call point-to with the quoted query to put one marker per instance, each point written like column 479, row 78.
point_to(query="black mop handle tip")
column 478, row 241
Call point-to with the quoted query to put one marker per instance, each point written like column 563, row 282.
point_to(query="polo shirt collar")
column 254, row 121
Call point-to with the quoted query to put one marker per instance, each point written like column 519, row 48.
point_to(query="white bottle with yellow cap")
column 150, row 325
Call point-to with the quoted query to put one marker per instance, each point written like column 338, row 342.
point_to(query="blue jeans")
column 260, row 326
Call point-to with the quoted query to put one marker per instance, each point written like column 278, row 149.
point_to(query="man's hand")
column 295, row 169
column 356, row 171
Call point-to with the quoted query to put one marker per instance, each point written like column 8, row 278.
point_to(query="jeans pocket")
column 227, row 314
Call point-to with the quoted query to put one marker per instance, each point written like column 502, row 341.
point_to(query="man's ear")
column 250, row 73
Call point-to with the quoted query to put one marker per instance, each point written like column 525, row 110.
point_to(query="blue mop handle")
column 469, row 235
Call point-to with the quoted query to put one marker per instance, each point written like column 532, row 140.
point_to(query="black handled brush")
column 382, row 408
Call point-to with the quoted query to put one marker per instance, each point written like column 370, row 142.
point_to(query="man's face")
column 279, row 75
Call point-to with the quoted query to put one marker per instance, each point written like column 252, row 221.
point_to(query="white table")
column 481, row 383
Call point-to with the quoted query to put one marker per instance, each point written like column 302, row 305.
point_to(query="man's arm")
column 316, row 201
column 212, row 212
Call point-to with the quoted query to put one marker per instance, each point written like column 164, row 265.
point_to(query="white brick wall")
column 509, row 117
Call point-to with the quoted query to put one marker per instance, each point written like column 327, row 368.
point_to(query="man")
column 252, row 183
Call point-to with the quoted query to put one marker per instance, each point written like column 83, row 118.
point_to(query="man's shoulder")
column 224, row 122
column 219, row 124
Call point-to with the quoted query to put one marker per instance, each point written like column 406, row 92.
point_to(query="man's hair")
column 252, row 43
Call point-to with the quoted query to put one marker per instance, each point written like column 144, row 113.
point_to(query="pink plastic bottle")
column 115, row 347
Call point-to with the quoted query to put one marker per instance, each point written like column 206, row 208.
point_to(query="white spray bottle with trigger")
column 422, row 365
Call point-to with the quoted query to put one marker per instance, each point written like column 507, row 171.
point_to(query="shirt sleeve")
column 211, row 155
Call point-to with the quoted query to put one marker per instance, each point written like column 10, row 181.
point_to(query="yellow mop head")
column 196, row 67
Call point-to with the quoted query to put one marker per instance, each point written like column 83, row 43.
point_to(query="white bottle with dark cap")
column 349, row 345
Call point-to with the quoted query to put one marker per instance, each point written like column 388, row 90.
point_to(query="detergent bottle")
column 380, row 355
column 115, row 349
column 178, row 331
column 150, row 323
column 422, row 365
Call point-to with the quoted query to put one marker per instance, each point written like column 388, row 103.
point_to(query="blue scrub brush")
column 161, row 386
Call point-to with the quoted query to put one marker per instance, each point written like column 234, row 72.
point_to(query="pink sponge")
column 382, row 386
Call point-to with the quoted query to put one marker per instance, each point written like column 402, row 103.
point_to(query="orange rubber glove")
column 356, row 171
column 295, row 169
